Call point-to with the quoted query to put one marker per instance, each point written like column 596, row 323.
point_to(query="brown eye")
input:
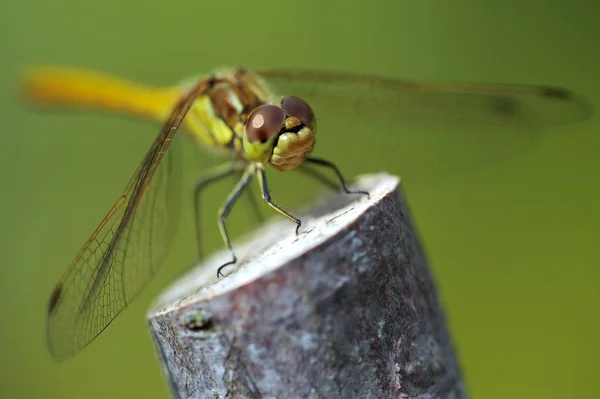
column 295, row 106
column 264, row 122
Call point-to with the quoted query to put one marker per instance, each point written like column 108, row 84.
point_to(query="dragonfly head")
column 282, row 134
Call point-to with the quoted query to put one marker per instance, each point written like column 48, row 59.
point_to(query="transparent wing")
column 125, row 251
column 426, row 127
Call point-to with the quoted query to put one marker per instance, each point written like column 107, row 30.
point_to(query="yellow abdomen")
column 79, row 88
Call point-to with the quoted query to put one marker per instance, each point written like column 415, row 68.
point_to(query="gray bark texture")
column 346, row 309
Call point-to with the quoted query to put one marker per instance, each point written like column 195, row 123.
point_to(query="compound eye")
column 264, row 122
column 295, row 106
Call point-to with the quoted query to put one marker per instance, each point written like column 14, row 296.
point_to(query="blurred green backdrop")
column 512, row 244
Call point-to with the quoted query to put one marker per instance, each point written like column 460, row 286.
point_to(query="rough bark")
column 347, row 309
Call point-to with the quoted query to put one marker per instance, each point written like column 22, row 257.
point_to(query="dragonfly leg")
column 254, row 205
column 331, row 165
column 264, row 189
column 213, row 175
column 316, row 174
column 224, row 211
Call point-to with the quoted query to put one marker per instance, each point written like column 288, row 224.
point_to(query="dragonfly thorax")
column 235, row 115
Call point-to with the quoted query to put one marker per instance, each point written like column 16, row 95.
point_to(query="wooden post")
column 347, row 309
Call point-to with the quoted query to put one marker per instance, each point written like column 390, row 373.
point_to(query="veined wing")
column 125, row 251
column 428, row 127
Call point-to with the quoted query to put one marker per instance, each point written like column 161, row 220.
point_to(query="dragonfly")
column 237, row 112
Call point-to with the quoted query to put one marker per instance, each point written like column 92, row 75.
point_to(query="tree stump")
column 346, row 309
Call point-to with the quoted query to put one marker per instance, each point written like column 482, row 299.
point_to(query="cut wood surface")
column 346, row 309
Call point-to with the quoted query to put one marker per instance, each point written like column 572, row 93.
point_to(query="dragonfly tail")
column 80, row 88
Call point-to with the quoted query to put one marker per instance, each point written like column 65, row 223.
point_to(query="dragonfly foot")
column 232, row 262
column 359, row 192
column 298, row 224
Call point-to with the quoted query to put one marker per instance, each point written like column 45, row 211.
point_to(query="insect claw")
column 232, row 262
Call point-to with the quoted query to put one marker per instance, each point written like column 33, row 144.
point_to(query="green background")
column 513, row 244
